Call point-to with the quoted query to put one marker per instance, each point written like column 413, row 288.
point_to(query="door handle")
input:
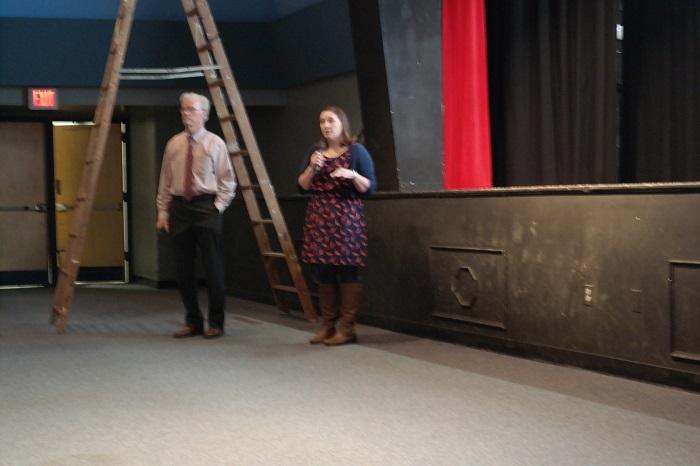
column 40, row 207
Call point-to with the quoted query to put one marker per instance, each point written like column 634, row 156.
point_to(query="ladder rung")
column 262, row 220
column 242, row 153
column 217, row 83
column 192, row 12
column 204, row 48
column 249, row 186
column 229, row 117
column 275, row 254
column 287, row 288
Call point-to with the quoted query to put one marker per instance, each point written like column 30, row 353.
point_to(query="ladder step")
column 217, row 83
column 291, row 289
column 204, row 48
column 249, row 186
column 287, row 288
column 275, row 254
column 230, row 117
column 242, row 153
column 192, row 12
column 262, row 220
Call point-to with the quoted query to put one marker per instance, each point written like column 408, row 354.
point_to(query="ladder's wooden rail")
column 211, row 52
column 222, row 109
column 65, row 288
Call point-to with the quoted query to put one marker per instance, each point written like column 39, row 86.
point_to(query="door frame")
column 91, row 275
column 47, row 118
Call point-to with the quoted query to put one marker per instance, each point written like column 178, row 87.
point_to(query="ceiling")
column 165, row 10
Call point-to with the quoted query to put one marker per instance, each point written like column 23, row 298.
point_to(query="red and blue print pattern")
column 335, row 229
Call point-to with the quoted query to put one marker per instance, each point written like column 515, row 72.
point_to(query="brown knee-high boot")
column 350, row 297
column 328, row 301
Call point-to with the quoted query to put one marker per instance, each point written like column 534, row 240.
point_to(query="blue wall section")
column 311, row 44
column 53, row 52
column 315, row 43
column 73, row 52
column 152, row 10
column 248, row 46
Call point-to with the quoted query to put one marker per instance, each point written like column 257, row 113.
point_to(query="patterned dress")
column 335, row 230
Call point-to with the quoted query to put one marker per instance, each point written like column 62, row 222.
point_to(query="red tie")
column 189, row 191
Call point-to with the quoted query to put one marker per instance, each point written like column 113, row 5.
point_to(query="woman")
column 337, row 171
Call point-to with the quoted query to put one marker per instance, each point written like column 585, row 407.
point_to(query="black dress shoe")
column 214, row 332
column 188, row 331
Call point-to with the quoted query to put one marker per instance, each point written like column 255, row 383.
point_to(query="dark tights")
column 329, row 274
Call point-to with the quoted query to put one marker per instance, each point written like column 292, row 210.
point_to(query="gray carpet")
column 116, row 389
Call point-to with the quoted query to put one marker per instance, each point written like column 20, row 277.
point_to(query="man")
column 196, row 185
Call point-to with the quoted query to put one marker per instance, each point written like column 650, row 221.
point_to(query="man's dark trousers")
column 196, row 224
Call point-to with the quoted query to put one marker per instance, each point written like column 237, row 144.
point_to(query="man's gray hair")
column 203, row 101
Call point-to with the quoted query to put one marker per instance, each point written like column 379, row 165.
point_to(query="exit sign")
column 43, row 98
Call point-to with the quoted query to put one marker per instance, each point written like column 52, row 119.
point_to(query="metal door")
column 104, row 253
column 24, row 238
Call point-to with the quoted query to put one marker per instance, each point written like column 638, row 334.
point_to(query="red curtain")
column 467, row 136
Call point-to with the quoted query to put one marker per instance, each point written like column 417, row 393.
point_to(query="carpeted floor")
column 117, row 389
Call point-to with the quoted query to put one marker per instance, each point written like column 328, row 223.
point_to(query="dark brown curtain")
column 660, row 114
column 553, row 95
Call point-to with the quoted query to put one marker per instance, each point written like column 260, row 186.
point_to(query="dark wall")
column 283, row 135
column 510, row 271
column 399, row 69
column 378, row 134
column 314, row 43
column 412, row 35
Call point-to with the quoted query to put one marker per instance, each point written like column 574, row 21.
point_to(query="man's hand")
column 163, row 224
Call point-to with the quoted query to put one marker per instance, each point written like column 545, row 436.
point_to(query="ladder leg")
column 68, row 272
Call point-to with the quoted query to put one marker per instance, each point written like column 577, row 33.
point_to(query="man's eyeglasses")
column 189, row 109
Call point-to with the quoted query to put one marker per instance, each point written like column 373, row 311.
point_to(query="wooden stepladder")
column 233, row 119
